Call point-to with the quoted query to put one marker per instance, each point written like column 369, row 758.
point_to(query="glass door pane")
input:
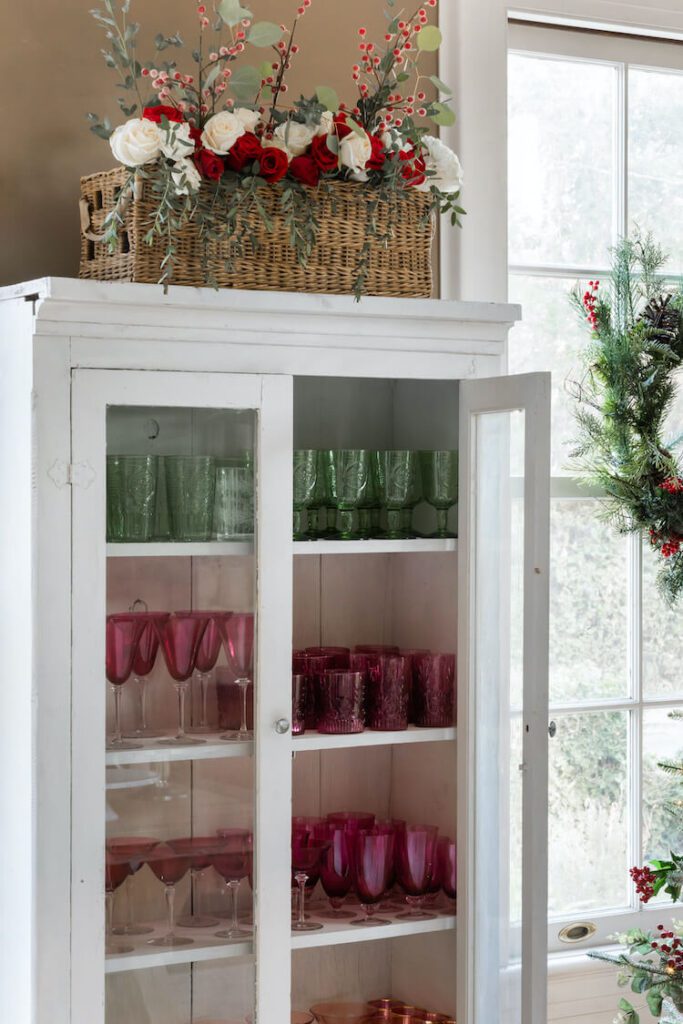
column 503, row 642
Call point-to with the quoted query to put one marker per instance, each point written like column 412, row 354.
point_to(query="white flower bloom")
column 296, row 137
column 391, row 138
column 354, row 151
column 251, row 119
column 136, row 142
column 361, row 176
column 276, row 143
column 186, row 177
column 221, row 132
column 326, row 123
column 176, row 141
column 448, row 175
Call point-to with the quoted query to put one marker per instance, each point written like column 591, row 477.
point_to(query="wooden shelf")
column 369, row 738
column 214, row 747
column 374, row 547
column 342, row 932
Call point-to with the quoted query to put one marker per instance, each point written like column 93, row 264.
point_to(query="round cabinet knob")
column 282, row 726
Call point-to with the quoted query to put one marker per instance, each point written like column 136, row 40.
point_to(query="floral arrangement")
column 624, row 399
column 211, row 137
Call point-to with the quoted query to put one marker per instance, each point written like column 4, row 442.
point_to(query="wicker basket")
column 403, row 268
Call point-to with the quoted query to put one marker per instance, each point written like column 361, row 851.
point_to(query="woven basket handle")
column 133, row 192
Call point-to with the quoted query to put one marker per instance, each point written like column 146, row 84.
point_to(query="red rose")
column 414, row 170
column 274, row 164
column 156, row 113
column 323, row 155
column 305, row 170
column 247, row 149
column 196, row 135
column 376, row 161
column 342, row 127
column 208, row 164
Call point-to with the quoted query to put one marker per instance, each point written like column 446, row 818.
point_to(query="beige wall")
column 53, row 75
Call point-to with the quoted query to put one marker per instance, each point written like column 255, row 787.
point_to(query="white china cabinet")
column 92, row 370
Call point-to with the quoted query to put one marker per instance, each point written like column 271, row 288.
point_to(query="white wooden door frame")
column 531, row 394
column 92, row 392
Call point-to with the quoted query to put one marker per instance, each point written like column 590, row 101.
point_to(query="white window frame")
column 622, row 53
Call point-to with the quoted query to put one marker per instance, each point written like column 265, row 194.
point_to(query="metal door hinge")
column 65, row 474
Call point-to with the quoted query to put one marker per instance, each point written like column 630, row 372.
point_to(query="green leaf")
column 402, row 76
column 264, row 33
column 654, row 1001
column 441, row 86
column 328, row 97
column 443, row 115
column 355, row 127
column 626, row 1007
column 212, row 76
column 232, row 12
column 245, row 82
column 429, row 39
column 333, row 144
column 266, row 68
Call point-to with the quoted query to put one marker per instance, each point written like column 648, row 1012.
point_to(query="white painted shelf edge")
column 157, row 956
column 210, row 750
column 223, row 549
column 339, row 934
column 370, row 738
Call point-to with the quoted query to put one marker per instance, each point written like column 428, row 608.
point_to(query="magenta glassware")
column 298, row 704
column 307, row 852
column 434, row 693
column 353, row 820
column 448, row 869
column 116, row 871
column 122, row 637
column 415, row 862
column 237, row 633
column 180, row 636
column 373, row 859
column 170, row 868
column 133, row 850
column 386, row 693
column 313, row 667
column 336, row 868
column 205, row 662
column 412, row 656
column 376, row 649
column 143, row 663
column 233, row 862
column 340, row 655
column 341, row 702
column 199, row 850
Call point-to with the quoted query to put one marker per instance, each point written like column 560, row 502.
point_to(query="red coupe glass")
column 116, row 871
column 434, row 693
column 180, row 637
column 143, row 663
column 123, row 635
column 233, row 861
column 415, row 863
column 170, row 868
column 373, row 860
column 336, row 868
column 134, row 850
column 448, row 869
column 199, row 850
column 237, row 634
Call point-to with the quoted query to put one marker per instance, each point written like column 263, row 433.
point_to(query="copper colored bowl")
column 302, row 1017
column 344, row 1013
column 436, row 1018
column 386, row 1006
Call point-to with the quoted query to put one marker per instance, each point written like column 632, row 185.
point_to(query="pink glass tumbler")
column 298, row 704
column 341, row 702
column 387, row 693
column 434, row 694
column 123, row 635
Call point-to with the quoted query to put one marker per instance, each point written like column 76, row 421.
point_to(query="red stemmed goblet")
column 336, row 868
column 199, row 850
column 373, row 859
column 205, row 662
column 307, row 852
column 233, row 861
column 169, row 867
column 180, row 637
column 116, row 871
column 415, row 862
column 237, row 634
column 448, row 870
column 123, row 635
column 143, row 663
column 135, row 850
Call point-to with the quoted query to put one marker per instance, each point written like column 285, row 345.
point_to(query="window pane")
column 588, row 605
column 588, row 813
column 562, row 123
column 656, row 158
column 662, row 636
column 662, row 741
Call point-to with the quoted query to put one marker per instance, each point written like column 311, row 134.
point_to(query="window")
column 592, row 152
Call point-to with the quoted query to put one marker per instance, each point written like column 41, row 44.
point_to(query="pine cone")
column 663, row 320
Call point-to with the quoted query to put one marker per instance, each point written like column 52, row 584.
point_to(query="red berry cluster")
column 645, row 881
column 671, row 949
column 668, row 544
column 672, row 485
column 590, row 302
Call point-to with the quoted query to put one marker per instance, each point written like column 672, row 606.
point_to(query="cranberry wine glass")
column 116, row 871
column 307, row 853
column 123, row 635
column 199, row 850
column 205, row 662
column 373, row 861
column 448, row 869
column 237, row 634
column 169, row 867
column 180, row 637
column 233, row 862
column 143, row 663
column 415, row 862
column 134, row 850
column 336, row 868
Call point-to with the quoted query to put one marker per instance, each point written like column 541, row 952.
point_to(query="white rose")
column 391, row 138
column 251, row 119
column 276, row 143
column 136, row 142
column 186, row 177
column 326, row 125
column 355, row 151
column 296, row 137
column 221, row 132
column 361, row 176
column 448, row 174
column 176, row 141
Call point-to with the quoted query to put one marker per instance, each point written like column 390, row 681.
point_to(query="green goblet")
column 398, row 478
column 440, row 486
column 348, row 471
column 305, row 488
column 369, row 511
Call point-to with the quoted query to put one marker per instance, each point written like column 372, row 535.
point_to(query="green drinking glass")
column 400, row 488
column 440, row 486
column 131, row 497
column 233, row 509
column 369, row 511
column 190, row 486
column 348, row 472
column 305, row 489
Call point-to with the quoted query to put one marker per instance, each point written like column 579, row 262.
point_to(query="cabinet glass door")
column 181, row 647
column 502, row 700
